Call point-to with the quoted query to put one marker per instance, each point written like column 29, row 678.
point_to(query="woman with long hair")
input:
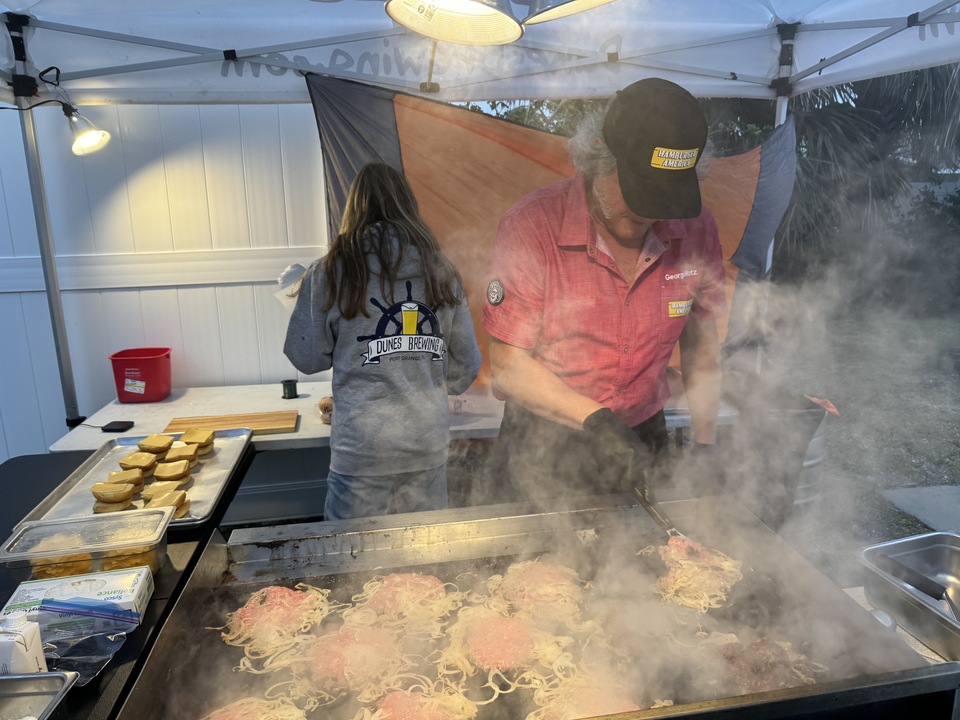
column 387, row 311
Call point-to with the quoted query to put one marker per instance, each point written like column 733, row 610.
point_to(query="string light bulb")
column 87, row 137
column 544, row 10
column 465, row 22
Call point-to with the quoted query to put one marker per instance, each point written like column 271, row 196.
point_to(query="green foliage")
column 560, row 117
column 928, row 236
column 859, row 146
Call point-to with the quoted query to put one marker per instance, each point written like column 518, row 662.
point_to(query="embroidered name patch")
column 495, row 292
column 669, row 159
column 679, row 308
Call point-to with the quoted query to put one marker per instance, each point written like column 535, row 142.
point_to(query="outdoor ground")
column 894, row 381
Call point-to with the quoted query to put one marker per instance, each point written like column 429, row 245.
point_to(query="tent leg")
column 47, row 259
column 781, row 111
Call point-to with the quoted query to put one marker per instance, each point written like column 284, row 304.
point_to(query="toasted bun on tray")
column 171, row 499
column 157, row 444
column 144, row 461
column 134, row 476
column 201, row 437
column 156, row 489
column 113, row 492
column 104, row 507
column 172, row 470
column 189, row 453
column 126, row 477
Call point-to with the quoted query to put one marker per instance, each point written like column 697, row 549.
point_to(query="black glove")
column 619, row 452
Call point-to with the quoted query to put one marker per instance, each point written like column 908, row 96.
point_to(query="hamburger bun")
column 113, row 492
column 156, row 443
column 170, row 499
column 172, row 470
column 144, row 461
column 201, row 437
column 183, row 452
column 134, row 476
column 182, row 509
column 104, row 507
column 156, row 489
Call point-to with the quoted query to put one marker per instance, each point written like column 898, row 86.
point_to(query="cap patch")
column 495, row 292
column 668, row 159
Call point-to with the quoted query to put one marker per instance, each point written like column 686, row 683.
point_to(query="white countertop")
column 480, row 416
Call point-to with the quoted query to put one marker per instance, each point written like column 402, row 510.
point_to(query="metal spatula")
column 638, row 480
column 921, row 582
column 657, row 514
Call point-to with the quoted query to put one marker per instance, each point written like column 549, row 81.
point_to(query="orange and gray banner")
column 467, row 169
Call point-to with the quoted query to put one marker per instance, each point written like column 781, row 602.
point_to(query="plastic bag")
column 86, row 656
column 83, row 635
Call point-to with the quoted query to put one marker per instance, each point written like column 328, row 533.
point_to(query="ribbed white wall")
column 172, row 236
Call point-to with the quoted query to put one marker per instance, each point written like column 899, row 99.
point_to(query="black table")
column 27, row 480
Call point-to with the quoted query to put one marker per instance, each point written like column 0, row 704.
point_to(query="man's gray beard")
column 601, row 202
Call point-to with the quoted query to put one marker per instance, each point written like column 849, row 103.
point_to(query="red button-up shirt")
column 555, row 289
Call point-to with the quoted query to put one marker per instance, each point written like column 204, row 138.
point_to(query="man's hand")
column 619, row 451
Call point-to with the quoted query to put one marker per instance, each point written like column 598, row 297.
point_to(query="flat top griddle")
column 781, row 598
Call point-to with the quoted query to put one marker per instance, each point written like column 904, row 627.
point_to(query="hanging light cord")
column 68, row 107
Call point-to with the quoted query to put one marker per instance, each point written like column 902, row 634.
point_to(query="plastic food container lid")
column 110, row 534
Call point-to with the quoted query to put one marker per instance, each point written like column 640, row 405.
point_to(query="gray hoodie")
column 392, row 371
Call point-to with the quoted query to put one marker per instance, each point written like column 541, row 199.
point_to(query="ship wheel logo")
column 404, row 327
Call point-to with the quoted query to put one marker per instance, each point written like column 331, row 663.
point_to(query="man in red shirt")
column 593, row 282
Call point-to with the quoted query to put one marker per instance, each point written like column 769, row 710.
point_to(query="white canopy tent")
column 209, row 51
column 182, row 51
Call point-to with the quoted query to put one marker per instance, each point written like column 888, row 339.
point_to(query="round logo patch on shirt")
column 495, row 292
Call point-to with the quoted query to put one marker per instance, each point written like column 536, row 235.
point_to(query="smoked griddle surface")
column 657, row 637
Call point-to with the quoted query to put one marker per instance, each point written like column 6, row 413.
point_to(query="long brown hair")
column 380, row 206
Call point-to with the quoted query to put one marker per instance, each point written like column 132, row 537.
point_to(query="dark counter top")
column 27, row 480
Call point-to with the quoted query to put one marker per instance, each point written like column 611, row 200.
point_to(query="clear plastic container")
column 75, row 546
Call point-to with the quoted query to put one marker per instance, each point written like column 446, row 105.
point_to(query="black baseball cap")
column 657, row 132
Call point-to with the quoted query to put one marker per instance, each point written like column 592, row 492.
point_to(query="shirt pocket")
column 676, row 301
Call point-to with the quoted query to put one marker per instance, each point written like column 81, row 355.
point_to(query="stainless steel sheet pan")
column 72, row 498
column 36, row 696
column 935, row 556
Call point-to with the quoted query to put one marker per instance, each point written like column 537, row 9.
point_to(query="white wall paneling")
column 18, row 231
column 22, row 424
column 239, row 333
column 173, row 236
column 184, row 180
column 263, row 174
column 150, row 218
column 223, row 169
column 305, row 202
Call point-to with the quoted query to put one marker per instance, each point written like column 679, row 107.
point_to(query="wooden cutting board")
column 261, row 423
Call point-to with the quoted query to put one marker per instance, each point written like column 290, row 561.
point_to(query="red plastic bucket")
column 142, row 374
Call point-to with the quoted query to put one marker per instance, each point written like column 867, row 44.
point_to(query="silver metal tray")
column 36, row 695
column 935, row 555
column 72, row 498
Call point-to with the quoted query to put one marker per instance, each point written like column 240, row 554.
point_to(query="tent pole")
column 24, row 89
column 47, row 254
column 787, row 32
column 781, row 111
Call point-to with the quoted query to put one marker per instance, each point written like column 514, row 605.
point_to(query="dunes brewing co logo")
column 404, row 327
